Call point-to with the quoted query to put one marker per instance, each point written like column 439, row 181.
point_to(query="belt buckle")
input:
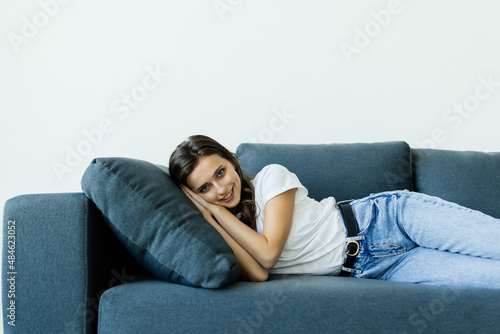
column 352, row 242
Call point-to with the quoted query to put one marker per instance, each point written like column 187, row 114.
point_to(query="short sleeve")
column 271, row 181
column 275, row 179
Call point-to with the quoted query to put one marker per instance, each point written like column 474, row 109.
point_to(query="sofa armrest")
column 58, row 258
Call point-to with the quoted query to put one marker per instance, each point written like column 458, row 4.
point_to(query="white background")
column 283, row 71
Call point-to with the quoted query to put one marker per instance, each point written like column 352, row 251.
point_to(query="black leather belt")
column 352, row 246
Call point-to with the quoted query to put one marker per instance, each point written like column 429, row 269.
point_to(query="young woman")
column 274, row 227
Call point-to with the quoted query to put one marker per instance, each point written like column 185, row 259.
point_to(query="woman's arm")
column 250, row 269
column 266, row 248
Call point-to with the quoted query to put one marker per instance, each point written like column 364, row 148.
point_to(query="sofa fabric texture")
column 297, row 304
column 73, row 277
column 345, row 171
column 58, row 263
column 471, row 179
column 158, row 224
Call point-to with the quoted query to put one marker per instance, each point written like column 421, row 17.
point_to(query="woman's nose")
column 221, row 188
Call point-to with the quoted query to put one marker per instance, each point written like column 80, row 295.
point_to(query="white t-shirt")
column 316, row 241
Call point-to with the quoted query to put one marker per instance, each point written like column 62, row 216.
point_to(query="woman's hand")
column 201, row 204
column 250, row 269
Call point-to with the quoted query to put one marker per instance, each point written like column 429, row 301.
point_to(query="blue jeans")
column 416, row 238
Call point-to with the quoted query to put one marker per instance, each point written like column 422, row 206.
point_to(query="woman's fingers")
column 186, row 190
column 200, row 203
column 196, row 197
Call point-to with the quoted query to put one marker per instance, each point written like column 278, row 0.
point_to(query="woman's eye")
column 221, row 172
column 204, row 189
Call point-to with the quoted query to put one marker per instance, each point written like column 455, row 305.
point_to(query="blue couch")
column 66, row 272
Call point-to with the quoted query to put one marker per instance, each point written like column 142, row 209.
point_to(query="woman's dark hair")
column 185, row 158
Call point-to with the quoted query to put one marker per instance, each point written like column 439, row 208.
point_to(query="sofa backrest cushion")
column 344, row 171
column 158, row 224
column 471, row 179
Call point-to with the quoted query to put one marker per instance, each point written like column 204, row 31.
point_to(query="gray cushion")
column 298, row 304
column 345, row 171
column 471, row 179
column 158, row 224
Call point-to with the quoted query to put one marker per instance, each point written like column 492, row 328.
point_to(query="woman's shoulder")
column 272, row 170
column 276, row 174
column 275, row 179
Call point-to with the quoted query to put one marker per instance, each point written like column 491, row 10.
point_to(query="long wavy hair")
column 185, row 158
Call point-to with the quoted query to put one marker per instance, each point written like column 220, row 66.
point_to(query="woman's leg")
column 416, row 238
column 433, row 267
column 437, row 224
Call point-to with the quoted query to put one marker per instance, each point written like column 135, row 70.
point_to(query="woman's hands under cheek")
column 200, row 203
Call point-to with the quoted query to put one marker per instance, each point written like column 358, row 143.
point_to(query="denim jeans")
column 411, row 237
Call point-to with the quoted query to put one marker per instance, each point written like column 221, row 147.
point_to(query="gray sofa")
column 65, row 271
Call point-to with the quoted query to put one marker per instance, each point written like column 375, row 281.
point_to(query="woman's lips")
column 228, row 199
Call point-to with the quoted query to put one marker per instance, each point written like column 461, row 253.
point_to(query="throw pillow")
column 158, row 224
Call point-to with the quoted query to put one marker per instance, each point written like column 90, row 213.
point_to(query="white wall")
column 283, row 71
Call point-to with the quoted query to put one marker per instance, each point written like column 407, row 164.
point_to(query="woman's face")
column 216, row 181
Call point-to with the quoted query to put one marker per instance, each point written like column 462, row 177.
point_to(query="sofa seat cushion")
column 471, row 179
column 158, row 224
column 344, row 171
column 297, row 304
